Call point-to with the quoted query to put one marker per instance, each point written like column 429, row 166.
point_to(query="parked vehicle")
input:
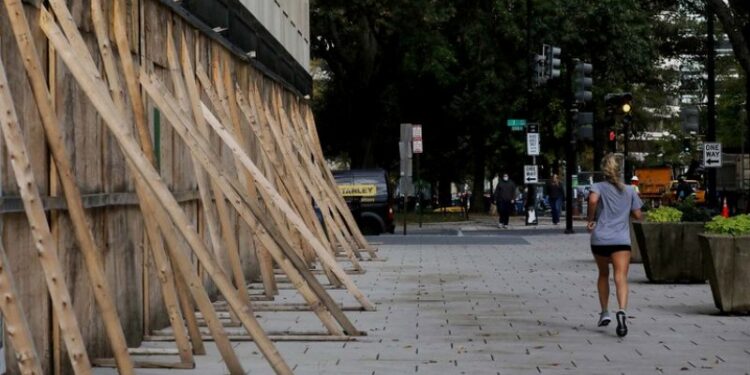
column 370, row 198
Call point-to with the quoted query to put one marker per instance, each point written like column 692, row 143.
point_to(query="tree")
column 459, row 68
column 734, row 16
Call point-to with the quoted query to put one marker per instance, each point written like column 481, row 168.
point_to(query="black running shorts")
column 607, row 250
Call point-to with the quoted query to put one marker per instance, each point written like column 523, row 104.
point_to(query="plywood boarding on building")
column 16, row 235
column 99, row 167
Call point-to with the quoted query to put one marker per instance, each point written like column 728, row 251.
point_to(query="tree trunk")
column 444, row 190
column 477, row 191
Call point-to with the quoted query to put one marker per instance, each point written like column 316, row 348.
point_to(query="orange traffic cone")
column 725, row 209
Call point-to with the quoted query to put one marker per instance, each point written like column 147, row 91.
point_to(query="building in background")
column 273, row 34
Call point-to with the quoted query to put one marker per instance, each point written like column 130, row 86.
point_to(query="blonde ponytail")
column 611, row 169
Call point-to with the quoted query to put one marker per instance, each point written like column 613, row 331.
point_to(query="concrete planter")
column 728, row 267
column 671, row 252
column 635, row 250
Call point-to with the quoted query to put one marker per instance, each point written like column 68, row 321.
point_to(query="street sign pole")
column 533, row 150
column 416, row 134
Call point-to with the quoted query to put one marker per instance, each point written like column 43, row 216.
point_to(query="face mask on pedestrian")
column 505, row 178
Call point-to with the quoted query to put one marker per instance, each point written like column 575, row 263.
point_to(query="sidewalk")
column 526, row 306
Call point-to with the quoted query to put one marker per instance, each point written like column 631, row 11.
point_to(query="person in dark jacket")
column 556, row 195
column 684, row 190
column 505, row 197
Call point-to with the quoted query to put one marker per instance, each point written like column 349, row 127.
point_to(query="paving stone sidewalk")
column 523, row 307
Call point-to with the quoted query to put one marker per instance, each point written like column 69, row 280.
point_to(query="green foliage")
column 691, row 212
column 460, row 69
column 664, row 214
column 734, row 226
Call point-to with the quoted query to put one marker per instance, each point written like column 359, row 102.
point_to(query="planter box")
column 671, row 252
column 728, row 268
column 635, row 250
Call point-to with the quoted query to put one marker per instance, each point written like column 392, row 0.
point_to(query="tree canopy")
column 460, row 69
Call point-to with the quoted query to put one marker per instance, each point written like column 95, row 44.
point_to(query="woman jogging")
column 611, row 204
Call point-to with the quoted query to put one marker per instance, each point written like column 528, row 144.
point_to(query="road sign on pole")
column 712, row 155
column 532, row 144
column 416, row 137
column 516, row 123
column 531, row 174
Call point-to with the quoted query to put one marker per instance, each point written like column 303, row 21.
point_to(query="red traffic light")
column 612, row 135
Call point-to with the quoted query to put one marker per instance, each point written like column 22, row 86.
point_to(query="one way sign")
column 530, row 174
column 712, row 155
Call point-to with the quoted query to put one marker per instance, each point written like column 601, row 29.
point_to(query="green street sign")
column 516, row 123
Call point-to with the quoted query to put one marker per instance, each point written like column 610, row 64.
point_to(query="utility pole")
column 711, row 105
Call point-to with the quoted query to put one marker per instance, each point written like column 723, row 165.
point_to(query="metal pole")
column 711, row 105
column 531, row 196
column 625, row 149
column 419, row 194
column 570, row 164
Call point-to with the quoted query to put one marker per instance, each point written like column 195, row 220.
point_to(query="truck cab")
column 369, row 197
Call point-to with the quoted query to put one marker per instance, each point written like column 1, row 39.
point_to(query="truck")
column 654, row 183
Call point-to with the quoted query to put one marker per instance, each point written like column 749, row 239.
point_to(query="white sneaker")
column 604, row 319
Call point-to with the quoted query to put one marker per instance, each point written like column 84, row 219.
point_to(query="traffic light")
column 583, row 82
column 612, row 140
column 552, row 61
column 539, row 70
column 626, row 108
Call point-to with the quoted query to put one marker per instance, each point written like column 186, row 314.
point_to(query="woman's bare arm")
column 591, row 211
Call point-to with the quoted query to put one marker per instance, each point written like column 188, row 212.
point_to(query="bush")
column 733, row 226
column 691, row 212
column 664, row 214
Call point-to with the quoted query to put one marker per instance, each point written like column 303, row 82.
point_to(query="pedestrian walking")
column 505, row 197
column 611, row 204
column 556, row 195
column 684, row 190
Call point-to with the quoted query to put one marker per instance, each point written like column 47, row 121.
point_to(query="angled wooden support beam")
column 270, row 195
column 166, row 276
column 268, row 147
column 107, row 362
column 313, row 152
column 97, row 93
column 285, row 144
column 45, row 244
column 82, row 228
column 278, row 338
column 265, row 259
column 172, row 114
column 15, row 321
column 152, row 213
column 309, row 129
column 220, row 210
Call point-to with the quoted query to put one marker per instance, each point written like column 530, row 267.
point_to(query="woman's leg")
column 602, row 283
column 620, row 264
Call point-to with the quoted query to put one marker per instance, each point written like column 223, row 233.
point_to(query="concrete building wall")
column 289, row 22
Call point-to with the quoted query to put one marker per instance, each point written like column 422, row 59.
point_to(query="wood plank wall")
column 100, row 168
